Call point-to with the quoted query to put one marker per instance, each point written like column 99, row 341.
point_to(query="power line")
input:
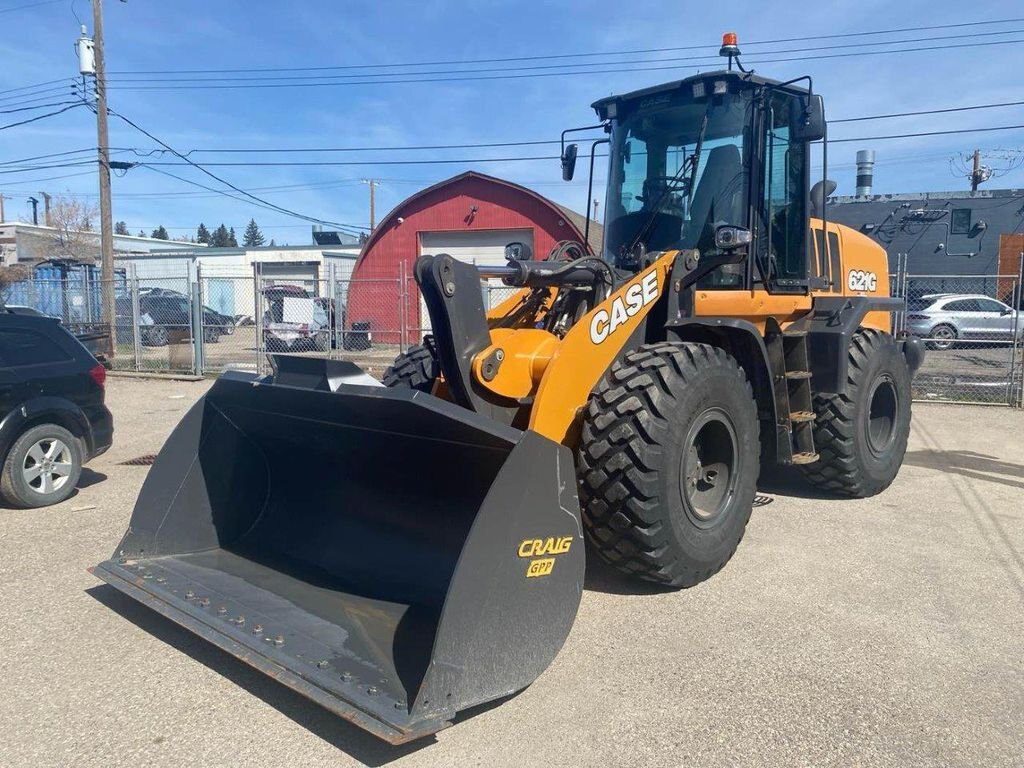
column 241, row 191
column 513, row 76
column 33, row 86
column 269, row 206
column 29, row 5
column 48, row 156
column 929, row 112
column 491, row 145
column 703, row 59
column 38, row 106
column 927, row 133
column 39, row 117
column 570, row 55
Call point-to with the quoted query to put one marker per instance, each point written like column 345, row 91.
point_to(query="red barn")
column 470, row 216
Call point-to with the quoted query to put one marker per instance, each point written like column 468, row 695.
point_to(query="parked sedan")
column 946, row 319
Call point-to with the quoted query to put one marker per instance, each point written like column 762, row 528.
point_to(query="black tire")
column 942, row 337
column 211, row 335
column 21, row 491
column 158, row 336
column 861, row 436
column 647, row 508
column 416, row 368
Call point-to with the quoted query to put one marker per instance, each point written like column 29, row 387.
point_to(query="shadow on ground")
column 326, row 725
column 976, row 466
column 89, row 477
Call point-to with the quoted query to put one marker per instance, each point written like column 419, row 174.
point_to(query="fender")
column 56, row 410
column 742, row 340
column 830, row 327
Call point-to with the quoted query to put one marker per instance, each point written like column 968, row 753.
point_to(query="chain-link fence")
column 203, row 320
column 973, row 330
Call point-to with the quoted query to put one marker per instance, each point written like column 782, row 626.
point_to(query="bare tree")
column 73, row 237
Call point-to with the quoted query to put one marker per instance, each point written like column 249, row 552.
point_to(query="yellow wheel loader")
column 401, row 553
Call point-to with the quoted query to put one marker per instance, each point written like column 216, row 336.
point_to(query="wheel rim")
column 708, row 473
column 943, row 336
column 882, row 413
column 47, row 466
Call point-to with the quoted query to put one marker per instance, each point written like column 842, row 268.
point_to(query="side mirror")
column 569, row 161
column 820, row 192
column 1006, row 311
column 729, row 237
column 518, row 252
column 807, row 119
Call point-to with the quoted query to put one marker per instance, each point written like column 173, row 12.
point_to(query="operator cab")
column 719, row 163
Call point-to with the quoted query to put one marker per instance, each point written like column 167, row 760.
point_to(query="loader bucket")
column 392, row 556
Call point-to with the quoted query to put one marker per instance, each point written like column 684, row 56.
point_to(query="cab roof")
column 601, row 105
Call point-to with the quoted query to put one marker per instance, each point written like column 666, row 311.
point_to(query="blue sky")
column 36, row 46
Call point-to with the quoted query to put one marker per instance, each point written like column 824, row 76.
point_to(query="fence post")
column 136, row 318
column 403, row 309
column 198, row 338
column 257, row 311
column 196, row 324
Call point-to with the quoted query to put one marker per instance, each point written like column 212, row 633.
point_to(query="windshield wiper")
column 690, row 165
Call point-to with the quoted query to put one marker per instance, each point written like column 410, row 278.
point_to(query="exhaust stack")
column 865, row 171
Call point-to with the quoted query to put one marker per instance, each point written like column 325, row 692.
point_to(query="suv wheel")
column 42, row 467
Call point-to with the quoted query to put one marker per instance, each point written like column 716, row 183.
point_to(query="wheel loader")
column 401, row 553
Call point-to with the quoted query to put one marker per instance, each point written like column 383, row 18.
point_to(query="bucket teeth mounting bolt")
column 222, row 610
column 161, row 580
column 239, row 620
column 321, row 665
column 278, row 641
column 372, row 691
column 189, row 594
column 204, row 601
column 346, row 677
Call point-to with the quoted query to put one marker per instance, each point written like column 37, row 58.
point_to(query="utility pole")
column 373, row 216
column 595, row 209
column 976, row 171
column 2, row 198
column 46, row 209
column 103, row 144
column 35, row 209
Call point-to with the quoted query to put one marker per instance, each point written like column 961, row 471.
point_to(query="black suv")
column 52, row 416
column 166, row 314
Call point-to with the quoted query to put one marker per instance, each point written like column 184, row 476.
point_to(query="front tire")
column 668, row 462
column 861, row 436
column 416, row 368
column 42, row 467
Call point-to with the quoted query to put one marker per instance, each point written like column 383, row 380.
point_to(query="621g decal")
column 859, row 280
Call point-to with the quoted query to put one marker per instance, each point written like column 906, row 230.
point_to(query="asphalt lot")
column 887, row 631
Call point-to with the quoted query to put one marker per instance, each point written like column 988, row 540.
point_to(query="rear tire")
column 668, row 462
column 42, row 467
column 416, row 368
column 861, row 436
column 942, row 337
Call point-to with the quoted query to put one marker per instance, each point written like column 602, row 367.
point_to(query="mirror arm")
column 577, row 130
column 590, row 191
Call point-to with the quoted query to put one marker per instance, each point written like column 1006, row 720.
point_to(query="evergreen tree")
column 253, row 238
column 203, row 234
column 272, row 243
column 219, row 238
column 232, row 240
column 160, row 233
column 121, row 228
column 141, row 234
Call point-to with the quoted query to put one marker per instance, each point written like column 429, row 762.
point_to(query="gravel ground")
column 886, row 631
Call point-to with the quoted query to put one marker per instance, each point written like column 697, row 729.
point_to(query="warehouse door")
column 477, row 247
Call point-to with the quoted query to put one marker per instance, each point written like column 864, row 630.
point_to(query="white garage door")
column 477, row 247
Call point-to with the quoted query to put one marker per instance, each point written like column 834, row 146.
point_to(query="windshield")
column 650, row 195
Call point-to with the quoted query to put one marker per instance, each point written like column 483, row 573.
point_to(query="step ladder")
column 787, row 355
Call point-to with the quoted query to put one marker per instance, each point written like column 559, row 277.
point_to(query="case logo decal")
column 624, row 306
